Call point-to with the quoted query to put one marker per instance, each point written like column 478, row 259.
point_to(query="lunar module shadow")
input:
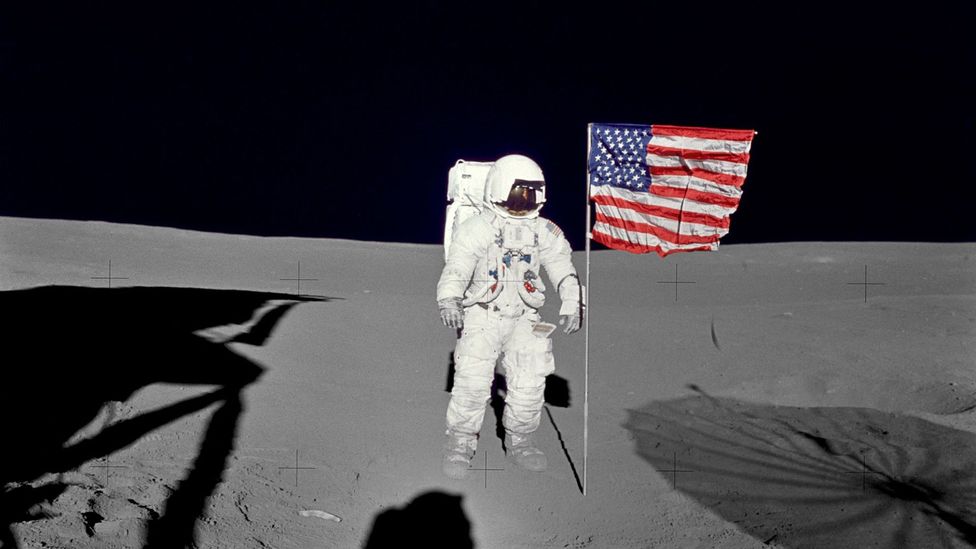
column 73, row 349
column 816, row 477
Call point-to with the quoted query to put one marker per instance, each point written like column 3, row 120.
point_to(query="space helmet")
column 515, row 187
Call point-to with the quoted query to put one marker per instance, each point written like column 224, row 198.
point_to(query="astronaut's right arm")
column 457, row 273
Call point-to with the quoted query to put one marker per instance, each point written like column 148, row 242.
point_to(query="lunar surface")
column 200, row 394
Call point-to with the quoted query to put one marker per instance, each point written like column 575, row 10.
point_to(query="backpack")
column 465, row 196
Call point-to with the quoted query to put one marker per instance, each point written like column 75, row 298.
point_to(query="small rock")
column 320, row 514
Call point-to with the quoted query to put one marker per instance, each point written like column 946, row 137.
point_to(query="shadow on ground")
column 816, row 477
column 73, row 349
column 432, row 519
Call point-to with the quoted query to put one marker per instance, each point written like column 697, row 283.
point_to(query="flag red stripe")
column 617, row 244
column 660, row 232
column 739, row 158
column 697, row 196
column 667, row 213
column 703, row 133
column 720, row 178
column 635, row 248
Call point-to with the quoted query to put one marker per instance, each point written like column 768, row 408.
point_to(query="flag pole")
column 586, row 318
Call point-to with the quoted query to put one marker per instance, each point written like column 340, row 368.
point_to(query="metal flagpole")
column 586, row 318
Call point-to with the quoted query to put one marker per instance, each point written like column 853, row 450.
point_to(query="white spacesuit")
column 490, row 288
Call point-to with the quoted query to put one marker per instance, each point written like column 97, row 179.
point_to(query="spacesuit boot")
column 523, row 452
column 458, row 451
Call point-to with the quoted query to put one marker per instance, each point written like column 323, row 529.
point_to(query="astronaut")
column 490, row 290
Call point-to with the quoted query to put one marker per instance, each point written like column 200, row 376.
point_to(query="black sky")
column 339, row 121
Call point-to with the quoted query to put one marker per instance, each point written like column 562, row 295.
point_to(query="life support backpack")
column 465, row 196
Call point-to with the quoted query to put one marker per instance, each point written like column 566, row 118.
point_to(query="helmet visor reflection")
column 523, row 199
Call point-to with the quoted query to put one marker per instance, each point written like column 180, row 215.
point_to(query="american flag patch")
column 553, row 228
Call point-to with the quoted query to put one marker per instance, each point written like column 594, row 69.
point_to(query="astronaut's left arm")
column 556, row 257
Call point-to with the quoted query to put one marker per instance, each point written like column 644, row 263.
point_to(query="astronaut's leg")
column 528, row 360
column 474, row 367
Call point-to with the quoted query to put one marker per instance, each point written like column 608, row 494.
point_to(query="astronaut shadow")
column 815, row 477
column 449, row 384
column 556, row 394
column 78, row 348
column 432, row 519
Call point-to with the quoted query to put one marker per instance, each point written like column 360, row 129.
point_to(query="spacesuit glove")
column 451, row 314
column 571, row 323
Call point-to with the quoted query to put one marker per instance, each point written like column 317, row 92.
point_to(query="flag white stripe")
column 685, row 228
column 696, row 184
column 699, row 144
column 717, row 166
column 665, row 201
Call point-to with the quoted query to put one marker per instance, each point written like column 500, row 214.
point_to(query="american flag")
column 665, row 189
